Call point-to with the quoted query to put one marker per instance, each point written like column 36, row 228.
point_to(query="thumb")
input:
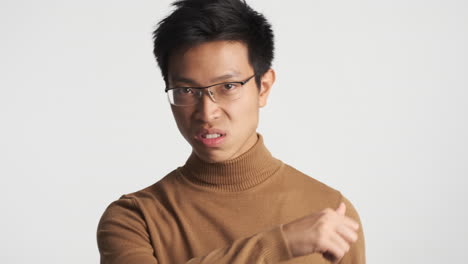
column 341, row 209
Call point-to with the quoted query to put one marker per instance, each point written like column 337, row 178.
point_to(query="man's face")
column 235, row 121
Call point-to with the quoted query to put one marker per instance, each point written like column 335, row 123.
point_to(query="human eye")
column 184, row 90
column 230, row 86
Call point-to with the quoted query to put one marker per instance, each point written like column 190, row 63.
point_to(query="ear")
column 266, row 83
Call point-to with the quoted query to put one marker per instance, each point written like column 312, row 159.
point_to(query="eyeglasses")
column 219, row 93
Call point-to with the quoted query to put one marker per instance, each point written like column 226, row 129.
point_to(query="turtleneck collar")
column 241, row 173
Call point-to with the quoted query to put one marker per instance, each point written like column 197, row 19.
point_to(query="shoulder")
column 141, row 202
column 316, row 188
column 302, row 182
column 313, row 190
column 157, row 191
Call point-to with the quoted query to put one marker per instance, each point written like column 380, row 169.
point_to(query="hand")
column 328, row 232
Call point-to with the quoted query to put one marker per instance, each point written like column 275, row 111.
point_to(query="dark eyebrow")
column 180, row 79
column 225, row 77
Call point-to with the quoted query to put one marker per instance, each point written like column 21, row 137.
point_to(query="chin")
column 212, row 156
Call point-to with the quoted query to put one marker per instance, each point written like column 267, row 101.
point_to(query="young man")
column 232, row 202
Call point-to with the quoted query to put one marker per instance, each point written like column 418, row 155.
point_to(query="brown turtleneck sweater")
column 228, row 212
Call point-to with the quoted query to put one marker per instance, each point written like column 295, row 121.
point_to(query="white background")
column 371, row 99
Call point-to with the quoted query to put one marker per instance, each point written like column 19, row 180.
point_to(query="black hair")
column 195, row 22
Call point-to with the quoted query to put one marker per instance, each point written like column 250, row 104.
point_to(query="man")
column 232, row 202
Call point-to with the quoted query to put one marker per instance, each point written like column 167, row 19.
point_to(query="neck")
column 241, row 173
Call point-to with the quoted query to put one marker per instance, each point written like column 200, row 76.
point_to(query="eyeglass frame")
column 205, row 87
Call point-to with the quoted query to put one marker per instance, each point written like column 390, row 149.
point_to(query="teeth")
column 212, row 135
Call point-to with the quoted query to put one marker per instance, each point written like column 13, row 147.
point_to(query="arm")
column 265, row 247
column 330, row 233
column 123, row 238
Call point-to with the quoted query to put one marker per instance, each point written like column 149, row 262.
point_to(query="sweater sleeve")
column 122, row 237
column 356, row 253
column 264, row 247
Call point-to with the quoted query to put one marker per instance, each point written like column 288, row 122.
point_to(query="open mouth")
column 210, row 136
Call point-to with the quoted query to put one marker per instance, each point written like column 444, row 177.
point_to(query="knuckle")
column 325, row 218
column 321, row 221
column 341, row 254
column 347, row 247
column 322, row 228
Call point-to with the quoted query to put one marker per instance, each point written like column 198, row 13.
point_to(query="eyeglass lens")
column 223, row 92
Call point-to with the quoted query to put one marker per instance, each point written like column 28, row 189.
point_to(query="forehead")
column 209, row 60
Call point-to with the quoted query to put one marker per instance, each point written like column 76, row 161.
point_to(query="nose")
column 207, row 108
